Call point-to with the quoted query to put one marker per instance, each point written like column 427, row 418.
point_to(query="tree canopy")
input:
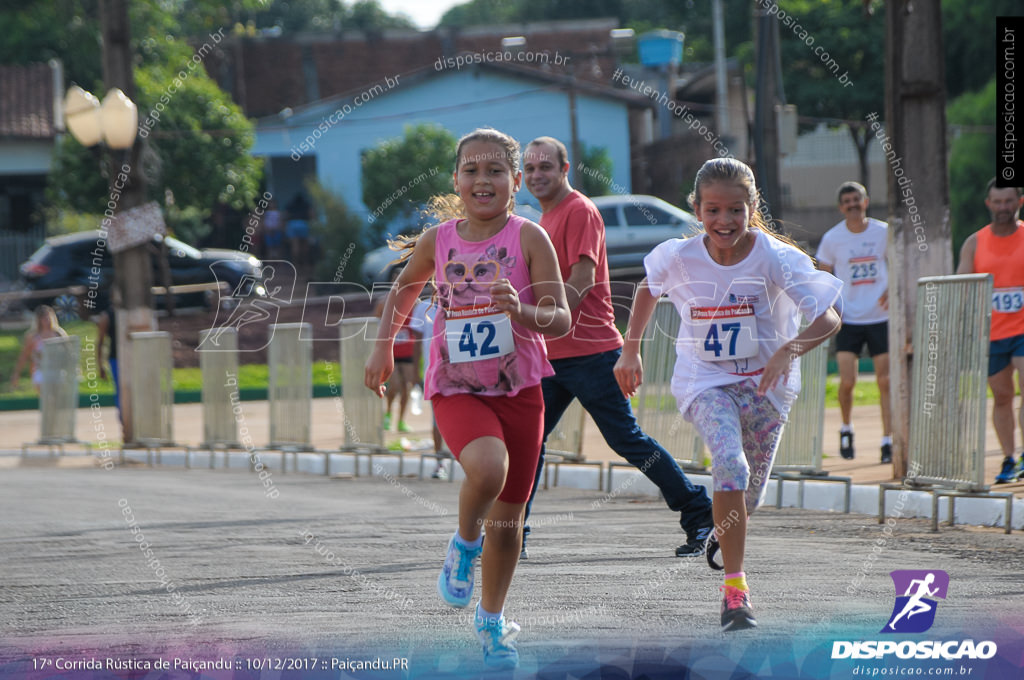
column 196, row 140
column 401, row 174
column 972, row 160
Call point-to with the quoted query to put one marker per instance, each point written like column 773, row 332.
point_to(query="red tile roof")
column 26, row 101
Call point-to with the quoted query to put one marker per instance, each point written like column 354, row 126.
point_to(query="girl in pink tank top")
column 477, row 362
column 499, row 288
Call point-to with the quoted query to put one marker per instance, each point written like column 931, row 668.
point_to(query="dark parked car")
column 68, row 260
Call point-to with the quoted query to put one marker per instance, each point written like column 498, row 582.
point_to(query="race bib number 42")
column 1007, row 300
column 728, row 332
column 474, row 334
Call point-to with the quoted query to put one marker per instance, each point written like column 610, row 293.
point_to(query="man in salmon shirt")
column 584, row 358
column 998, row 249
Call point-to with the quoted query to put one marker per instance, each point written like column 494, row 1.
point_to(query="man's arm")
column 966, row 265
column 580, row 281
column 823, row 258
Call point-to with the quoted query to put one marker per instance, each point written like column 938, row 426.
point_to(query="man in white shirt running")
column 854, row 251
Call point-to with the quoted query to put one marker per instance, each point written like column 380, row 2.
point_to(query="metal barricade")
column 219, row 370
column 800, row 449
column 799, row 456
column 290, row 389
column 946, row 447
column 58, row 392
column 656, row 409
column 565, row 444
column 363, row 413
column 950, row 378
column 566, row 440
column 152, row 394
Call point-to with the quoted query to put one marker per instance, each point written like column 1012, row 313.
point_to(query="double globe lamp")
column 115, row 122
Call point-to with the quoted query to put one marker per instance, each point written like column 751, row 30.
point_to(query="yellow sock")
column 737, row 580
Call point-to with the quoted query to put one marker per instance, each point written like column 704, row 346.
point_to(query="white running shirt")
column 735, row 317
column 858, row 260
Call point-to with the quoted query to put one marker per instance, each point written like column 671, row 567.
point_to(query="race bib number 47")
column 475, row 334
column 1007, row 300
column 728, row 332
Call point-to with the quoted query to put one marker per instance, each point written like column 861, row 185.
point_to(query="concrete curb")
column 902, row 503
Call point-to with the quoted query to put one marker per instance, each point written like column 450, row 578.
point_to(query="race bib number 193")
column 1007, row 300
column 472, row 335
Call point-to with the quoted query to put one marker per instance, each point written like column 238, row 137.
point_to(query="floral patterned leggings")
column 742, row 430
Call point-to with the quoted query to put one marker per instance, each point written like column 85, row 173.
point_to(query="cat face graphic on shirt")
column 468, row 279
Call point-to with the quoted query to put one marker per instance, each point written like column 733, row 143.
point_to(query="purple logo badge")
column 914, row 611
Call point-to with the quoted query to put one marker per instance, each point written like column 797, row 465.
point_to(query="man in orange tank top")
column 998, row 249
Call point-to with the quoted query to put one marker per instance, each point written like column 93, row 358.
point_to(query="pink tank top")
column 475, row 348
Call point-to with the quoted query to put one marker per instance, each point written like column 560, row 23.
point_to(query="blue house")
column 327, row 138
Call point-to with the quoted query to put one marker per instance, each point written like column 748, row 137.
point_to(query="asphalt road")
column 146, row 566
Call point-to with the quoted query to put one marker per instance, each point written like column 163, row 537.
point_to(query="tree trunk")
column 861, row 139
column 918, row 181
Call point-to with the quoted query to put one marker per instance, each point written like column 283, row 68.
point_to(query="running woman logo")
column 914, row 610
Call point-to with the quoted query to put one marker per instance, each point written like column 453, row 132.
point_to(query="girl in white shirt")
column 740, row 291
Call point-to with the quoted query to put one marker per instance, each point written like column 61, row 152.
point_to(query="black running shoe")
column 886, row 453
column 695, row 542
column 736, row 611
column 711, row 552
column 846, row 445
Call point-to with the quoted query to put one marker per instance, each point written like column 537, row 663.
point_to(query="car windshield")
column 180, row 249
column 41, row 254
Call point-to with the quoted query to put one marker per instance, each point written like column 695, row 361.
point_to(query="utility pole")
column 133, row 270
column 766, row 127
column 920, row 242
column 721, row 84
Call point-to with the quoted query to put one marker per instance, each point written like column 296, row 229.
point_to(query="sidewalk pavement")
column 19, row 427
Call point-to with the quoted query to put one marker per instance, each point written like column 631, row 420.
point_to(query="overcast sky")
column 424, row 13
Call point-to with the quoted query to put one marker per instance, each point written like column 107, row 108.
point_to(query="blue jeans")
column 591, row 380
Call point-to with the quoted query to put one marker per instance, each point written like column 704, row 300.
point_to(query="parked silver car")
column 634, row 224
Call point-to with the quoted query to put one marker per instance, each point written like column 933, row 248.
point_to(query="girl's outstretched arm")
column 397, row 306
column 820, row 330
column 629, row 369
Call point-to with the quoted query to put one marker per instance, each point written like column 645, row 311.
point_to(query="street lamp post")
column 129, row 223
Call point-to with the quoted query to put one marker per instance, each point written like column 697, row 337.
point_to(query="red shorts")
column 518, row 421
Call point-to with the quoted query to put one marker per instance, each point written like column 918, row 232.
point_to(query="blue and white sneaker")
column 1008, row 473
column 455, row 582
column 498, row 636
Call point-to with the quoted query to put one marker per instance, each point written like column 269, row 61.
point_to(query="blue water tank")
column 661, row 47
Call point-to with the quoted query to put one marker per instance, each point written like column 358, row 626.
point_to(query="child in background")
column 44, row 326
column 423, row 322
column 407, row 355
column 740, row 291
column 499, row 288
